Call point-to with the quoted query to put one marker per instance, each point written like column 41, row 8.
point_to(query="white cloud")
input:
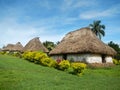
column 100, row 13
column 13, row 31
column 74, row 4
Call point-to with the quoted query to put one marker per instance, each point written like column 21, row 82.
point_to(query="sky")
column 51, row 20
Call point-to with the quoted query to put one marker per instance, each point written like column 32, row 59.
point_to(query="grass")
column 19, row 74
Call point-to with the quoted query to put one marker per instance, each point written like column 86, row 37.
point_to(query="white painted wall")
column 108, row 59
column 55, row 57
column 88, row 58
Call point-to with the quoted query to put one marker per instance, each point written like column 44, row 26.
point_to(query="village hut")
column 13, row 47
column 9, row 47
column 18, row 47
column 83, row 45
column 35, row 45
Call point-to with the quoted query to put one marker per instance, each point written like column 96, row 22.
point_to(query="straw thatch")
column 35, row 45
column 9, row 47
column 18, row 47
column 13, row 47
column 82, row 41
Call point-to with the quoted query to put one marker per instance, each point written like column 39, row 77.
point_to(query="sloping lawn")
column 19, row 74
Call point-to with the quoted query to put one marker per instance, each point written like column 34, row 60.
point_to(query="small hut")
column 9, row 47
column 13, row 47
column 35, row 45
column 18, row 47
column 84, row 46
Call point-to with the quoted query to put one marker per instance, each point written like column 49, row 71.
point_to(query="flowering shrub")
column 39, row 56
column 48, row 62
column 43, row 59
column 64, row 65
column 116, row 62
column 29, row 56
column 78, row 68
column 58, row 60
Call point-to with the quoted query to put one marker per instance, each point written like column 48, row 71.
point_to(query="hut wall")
column 88, row 58
column 108, row 59
column 55, row 57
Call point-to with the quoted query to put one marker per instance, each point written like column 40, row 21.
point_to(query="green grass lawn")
column 19, row 74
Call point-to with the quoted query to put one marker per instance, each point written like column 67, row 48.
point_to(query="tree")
column 49, row 45
column 97, row 28
column 116, row 48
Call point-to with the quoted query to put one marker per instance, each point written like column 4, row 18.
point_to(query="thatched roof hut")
column 35, row 45
column 82, row 41
column 9, row 47
column 18, row 47
column 13, row 47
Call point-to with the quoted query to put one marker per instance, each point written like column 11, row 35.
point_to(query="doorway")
column 65, row 56
column 103, row 59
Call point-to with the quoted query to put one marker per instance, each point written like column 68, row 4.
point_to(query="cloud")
column 100, row 13
column 75, row 4
column 13, row 31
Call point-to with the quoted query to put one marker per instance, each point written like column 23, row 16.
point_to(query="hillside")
column 19, row 74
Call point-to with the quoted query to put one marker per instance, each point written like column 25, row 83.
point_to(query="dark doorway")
column 103, row 59
column 65, row 56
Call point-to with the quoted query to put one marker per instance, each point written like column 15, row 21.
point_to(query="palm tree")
column 97, row 28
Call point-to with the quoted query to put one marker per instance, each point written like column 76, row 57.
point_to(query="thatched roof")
column 18, row 47
column 35, row 45
column 9, row 47
column 13, row 47
column 82, row 41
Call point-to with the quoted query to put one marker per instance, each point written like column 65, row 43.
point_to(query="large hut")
column 35, row 45
column 84, row 46
column 13, row 47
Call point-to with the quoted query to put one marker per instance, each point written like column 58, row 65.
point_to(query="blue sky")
column 22, row 20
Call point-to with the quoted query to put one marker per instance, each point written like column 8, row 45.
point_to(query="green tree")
column 97, row 28
column 116, row 48
column 49, row 45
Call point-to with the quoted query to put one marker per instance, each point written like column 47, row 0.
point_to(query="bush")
column 116, row 62
column 78, row 68
column 17, row 54
column 29, row 56
column 48, row 62
column 39, row 56
column 2, row 52
column 64, row 65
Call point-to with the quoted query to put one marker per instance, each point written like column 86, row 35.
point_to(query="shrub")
column 64, row 65
column 48, row 62
column 58, row 60
column 17, row 54
column 2, row 52
column 116, row 62
column 29, row 56
column 39, row 56
column 78, row 68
